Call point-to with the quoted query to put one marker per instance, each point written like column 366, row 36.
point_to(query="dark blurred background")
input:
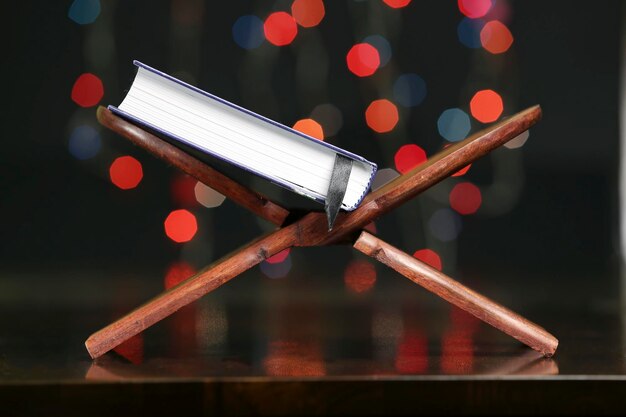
column 548, row 210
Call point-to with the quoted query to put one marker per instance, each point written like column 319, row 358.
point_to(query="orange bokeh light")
column 381, row 116
column 360, row 276
column 310, row 127
column 177, row 273
column 363, row 59
column 430, row 257
column 486, row 106
column 280, row 28
column 496, row 37
column 465, row 198
column 396, row 4
column 408, row 157
column 279, row 257
column 126, row 172
column 180, row 226
column 308, row 13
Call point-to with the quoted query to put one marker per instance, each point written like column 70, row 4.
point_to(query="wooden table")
column 304, row 344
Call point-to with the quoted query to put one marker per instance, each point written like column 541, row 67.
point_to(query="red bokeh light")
column 180, row 226
column 457, row 352
column 310, row 127
column 496, row 37
column 363, row 59
column 279, row 257
column 280, row 28
column 408, row 157
column 87, row 90
column 429, row 257
column 183, row 190
column 465, row 198
column 474, row 8
column 360, row 276
column 126, row 172
column 396, row 4
column 412, row 355
column 131, row 349
column 308, row 13
column 177, row 273
column 381, row 116
column 486, row 106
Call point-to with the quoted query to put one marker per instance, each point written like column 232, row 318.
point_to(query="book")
column 190, row 117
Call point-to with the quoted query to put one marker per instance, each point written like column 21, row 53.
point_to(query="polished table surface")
column 313, row 342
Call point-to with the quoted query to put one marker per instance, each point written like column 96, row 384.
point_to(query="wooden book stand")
column 311, row 229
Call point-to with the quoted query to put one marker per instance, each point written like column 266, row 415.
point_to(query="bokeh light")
column 182, row 187
column 454, row 125
column 310, row 127
column 396, row 4
column 430, row 257
column 462, row 171
column 329, row 116
column 363, row 59
column 383, row 176
column 177, row 273
column 126, row 172
column 279, row 257
column 248, row 32
column 382, row 46
column 84, row 142
column 518, row 141
column 468, row 32
column 408, row 157
column 276, row 270
column 381, row 116
column 280, row 28
column 360, row 276
column 409, row 90
column 181, row 226
column 465, row 198
column 475, row 8
column 84, row 12
column 412, row 354
column 207, row 196
column 486, row 106
column 308, row 13
column 457, row 352
column 87, row 90
column 496, row 37
column 445, row 225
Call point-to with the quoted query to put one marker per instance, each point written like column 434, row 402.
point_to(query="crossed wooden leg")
column 310, row 230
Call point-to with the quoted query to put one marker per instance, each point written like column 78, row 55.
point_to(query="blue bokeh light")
column 248, row 32
column 84, row 142
column 84, row 12
column 409, row 90
column 382, row 46
column 454, row 125
column 445, row 224
column 468, row 32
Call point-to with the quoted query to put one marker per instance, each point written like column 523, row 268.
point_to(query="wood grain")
column 251, row 200
column 456, row 293
column 211, row 277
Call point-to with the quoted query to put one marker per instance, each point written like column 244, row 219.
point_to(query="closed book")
column 190, row 117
